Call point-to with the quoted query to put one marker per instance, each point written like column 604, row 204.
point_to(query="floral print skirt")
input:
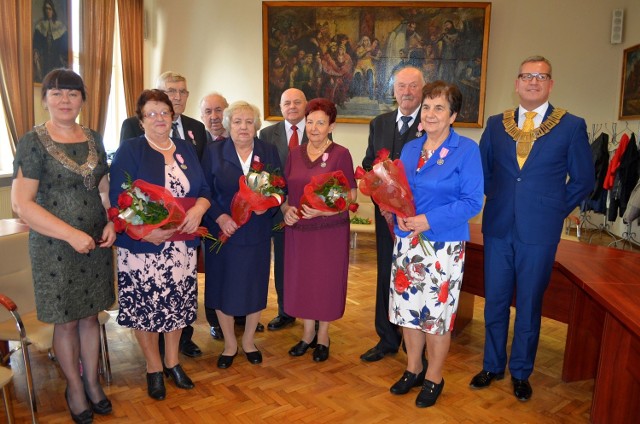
column 426, row 278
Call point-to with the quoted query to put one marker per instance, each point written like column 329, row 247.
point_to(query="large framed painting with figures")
column 348, row 52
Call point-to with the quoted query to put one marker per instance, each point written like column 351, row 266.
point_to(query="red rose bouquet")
column 258, row 190
column 329, row 192
column 143, row 207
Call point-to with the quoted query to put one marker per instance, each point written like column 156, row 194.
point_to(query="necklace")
column 164, row 149
column 322, row 147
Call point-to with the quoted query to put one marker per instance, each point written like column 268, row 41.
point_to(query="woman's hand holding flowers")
column 290, row 214
column 159, row 235
column 416, row 224
column 227, row 225
column 192, row 219
column 309, row 212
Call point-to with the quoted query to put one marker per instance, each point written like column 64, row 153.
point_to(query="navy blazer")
column 141, row 161
column 538, row 197
column 222, row 171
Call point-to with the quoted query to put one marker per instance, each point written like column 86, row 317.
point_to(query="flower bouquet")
column 328, row 192
column 258, row 190
column 143, row 207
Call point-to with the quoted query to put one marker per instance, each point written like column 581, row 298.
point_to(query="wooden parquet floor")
column 296, row 390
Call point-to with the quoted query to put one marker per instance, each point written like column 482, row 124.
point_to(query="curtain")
column 16, row 72
column 131, row 19
column 97, row 23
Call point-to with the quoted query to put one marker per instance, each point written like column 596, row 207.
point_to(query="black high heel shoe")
column 155, row 385
column 225, row 361
column 85, row 417
column 181, row 379
column 301, row 347
column 103, row 407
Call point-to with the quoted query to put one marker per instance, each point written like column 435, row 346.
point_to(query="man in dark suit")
column 211, row 108
column 391, row 131
column 184, row 127
column 175, row 85
column 292, row 104
column 537, row 167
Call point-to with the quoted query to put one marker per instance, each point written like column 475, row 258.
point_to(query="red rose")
column 257, row 166
column 124, row 200
column 112, row 213
column 277, row 181
column 360, row 172
column 443, row 293
column 353, row 207
column 340, row 203
column 402, row 283
column 119, row 225
column 415, row 241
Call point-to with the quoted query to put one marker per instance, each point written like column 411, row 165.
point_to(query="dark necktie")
column 174, row 130
column 405, row 124
column 293, row 141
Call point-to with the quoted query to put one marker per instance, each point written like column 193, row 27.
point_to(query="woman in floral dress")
column 445, row 175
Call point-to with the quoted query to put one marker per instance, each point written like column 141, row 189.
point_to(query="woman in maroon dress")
column 316, row 242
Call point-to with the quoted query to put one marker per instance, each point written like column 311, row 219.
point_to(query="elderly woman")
column 316, row 242
column 157, row 275
column 445, row 175
column 237, row 274
column 60, row 189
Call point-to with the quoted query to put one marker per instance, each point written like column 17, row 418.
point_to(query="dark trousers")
column 389, row 334
column 187, row 334
column 278, row 269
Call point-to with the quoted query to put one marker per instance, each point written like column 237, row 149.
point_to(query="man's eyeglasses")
column 173, row 92
column 539, row 76
column 153, row 115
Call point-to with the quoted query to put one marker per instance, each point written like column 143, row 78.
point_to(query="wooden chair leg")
column 105, row 363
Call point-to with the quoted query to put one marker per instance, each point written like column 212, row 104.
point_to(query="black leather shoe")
column 321, row 353
column 429, row 394
column 216, row 333
column 254, row 357
column 259, row 328
column 155, row 385
column 181, row 379
column 521, row 389
column 103, row 407
column 374, row 354
column 85, row 417
column 484, row 378
column 408, row 381
column 301, row 347
column 280, row 322
column 225, row 361
column 189, row 348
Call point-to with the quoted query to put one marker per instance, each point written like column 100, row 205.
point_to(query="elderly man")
column 184, row 127
column 537, row 167
column 211, row 107
column 189, row 129
column 391, row 131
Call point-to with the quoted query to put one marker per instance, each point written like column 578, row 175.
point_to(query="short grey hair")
column 169, row 76
column 237, row 107
column 215, row 93
column 533, row 59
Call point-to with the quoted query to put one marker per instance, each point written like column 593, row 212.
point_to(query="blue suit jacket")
column 140, row 161
column 538, row 197
column 222, row 170
column 448, row 194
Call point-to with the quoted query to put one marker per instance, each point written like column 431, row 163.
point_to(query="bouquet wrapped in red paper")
column 329, row 192
column 143, row 207
column 259, row 190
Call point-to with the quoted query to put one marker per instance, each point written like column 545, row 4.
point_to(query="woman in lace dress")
column 157, row 275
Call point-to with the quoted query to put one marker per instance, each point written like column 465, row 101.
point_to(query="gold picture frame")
column 630, row 86
column 51, row 31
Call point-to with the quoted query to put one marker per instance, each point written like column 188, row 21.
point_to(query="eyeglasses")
column 539, row 76
column 173, row 92
column 152, row 115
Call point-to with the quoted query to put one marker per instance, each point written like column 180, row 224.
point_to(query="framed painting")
column 51, row 46
column 630, row 88
column 348, row 52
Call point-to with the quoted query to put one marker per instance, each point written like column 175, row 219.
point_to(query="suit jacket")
column 383, row 133
column 131, row 128
column 222, row 171
column 537, row 198
column 140, row 161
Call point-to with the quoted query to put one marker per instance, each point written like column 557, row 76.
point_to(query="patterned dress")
column 158, row 292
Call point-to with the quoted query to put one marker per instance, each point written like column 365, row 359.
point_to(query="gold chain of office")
column 525, row 139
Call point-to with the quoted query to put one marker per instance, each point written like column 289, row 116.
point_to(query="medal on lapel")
column 443, row 154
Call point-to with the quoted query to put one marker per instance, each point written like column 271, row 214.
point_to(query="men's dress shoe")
column 85, row 417
column 484, row 378
column 521, row 389
column 155, row 385
column 181, row 379
column 408, row 381
column 103, row 407
column 240, row 322
column 216, row 333
column 259, row 328
column 254, row 357
column 189, row 348
column 374, row 354
column 225, row 361
column 321, row 353
column 280, row 322
column 429, row 393
column 301, row 347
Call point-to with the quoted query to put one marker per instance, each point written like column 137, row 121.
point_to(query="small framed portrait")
column 50, row 20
